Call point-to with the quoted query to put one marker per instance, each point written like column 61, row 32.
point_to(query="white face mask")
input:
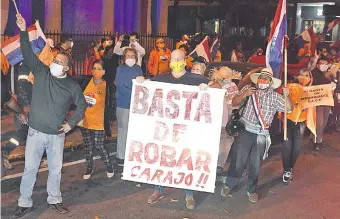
column 263, row 86
column 323, row 67
column 72, row 44
column 130, row 62
column 56, row 70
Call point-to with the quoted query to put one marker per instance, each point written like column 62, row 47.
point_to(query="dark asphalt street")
column 314, row 193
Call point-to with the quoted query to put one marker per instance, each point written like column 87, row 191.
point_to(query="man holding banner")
column 191, row 163
column 322, row 76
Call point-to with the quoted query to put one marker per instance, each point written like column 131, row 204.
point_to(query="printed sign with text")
column 174, row 134
column 318, row 95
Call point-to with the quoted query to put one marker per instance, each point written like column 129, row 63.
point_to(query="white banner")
column 174, row 134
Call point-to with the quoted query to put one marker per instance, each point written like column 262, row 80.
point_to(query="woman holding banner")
column 296, row 124
column 125, row 73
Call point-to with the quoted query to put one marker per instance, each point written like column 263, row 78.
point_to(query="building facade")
column 166, row 17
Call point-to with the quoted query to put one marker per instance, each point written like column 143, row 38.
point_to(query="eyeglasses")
column 160, row 43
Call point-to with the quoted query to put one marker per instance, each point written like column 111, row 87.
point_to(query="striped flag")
column 203, row 50
column 214, row 48
column 274, row 52
column 11, row 47
column 333, row 24
column 307, row 35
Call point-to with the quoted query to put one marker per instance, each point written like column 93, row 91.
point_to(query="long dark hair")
column 98, row 61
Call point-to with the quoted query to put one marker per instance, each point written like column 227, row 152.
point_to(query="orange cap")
column 159, row 40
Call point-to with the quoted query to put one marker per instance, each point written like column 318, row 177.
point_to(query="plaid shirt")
column 270, row 102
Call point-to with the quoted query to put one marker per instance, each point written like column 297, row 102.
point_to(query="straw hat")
column 266, row 71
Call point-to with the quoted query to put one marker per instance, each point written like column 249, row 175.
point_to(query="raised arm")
column 245, row 92
column 117, row 50
column 34, row 64
column 139, row 49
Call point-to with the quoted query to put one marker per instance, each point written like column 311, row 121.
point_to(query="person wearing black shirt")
column 321, row 76
column 110, row 60
column 178, row 76
column 10, row 102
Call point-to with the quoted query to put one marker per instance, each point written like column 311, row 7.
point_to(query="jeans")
column 37, row 142
column 245, row 147
column 160, row 190
column 123, row 124
column 322, row 114
column 225, row 143
column 292, row 147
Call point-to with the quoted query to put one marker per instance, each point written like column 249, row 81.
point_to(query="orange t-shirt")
column 298, row 114
column 95, row 99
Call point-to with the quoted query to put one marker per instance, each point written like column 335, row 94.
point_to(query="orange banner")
column 320, row 95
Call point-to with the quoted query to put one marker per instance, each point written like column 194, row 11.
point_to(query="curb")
column 68, row 147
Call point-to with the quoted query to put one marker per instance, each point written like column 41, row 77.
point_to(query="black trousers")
column 245, row 147
column 110, row 109
column 292, row 146
column 20, row 135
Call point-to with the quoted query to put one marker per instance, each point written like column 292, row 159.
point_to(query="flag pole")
column 285, row 85
column 15, row 5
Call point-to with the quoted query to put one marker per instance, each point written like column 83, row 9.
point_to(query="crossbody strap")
column 258, row 112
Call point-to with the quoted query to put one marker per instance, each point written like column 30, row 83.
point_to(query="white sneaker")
column 88, row 174
column 286, row 177
column 110, row 172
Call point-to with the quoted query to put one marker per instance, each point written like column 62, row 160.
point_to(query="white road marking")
column 46, row 168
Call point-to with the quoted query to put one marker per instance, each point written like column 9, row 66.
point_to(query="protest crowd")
column 237, row 107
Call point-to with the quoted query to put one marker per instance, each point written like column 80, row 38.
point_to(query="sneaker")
column 7, row 164
column 119, row 162
column 253, row 197
column 317, row 147
column 225, row 191
column 155, row 197
column 60, row 208
column 19, row 212
column 287, row 176
column 109, row 172
column 190, row 202
column 43, row 163
column 88, row 173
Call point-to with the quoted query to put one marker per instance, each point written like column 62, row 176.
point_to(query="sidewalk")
column 73, row 140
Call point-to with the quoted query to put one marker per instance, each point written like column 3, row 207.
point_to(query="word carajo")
column 141, row 104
